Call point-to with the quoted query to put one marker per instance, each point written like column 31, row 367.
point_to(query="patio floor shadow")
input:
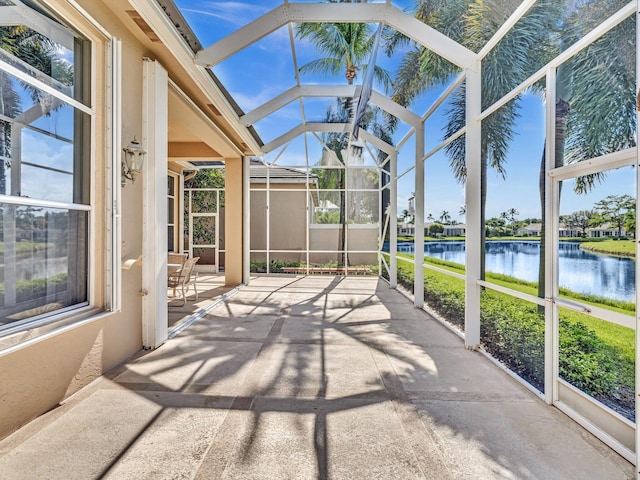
column 308, row 378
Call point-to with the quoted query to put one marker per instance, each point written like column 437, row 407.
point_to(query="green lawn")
column 622, row 339
column 624, row 247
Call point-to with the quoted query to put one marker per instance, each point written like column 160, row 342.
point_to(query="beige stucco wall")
column 35, row 379
column 325, row 237
column 258, row 227
column 288, row 220
column 287, row 217
column 362, row 238
column 233, row 221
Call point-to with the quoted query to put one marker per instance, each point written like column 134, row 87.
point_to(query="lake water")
column 579, row 270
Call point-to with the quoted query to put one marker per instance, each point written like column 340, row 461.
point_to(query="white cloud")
column 235, row 13
column 248, row 101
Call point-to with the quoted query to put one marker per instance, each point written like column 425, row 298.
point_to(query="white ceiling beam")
column 376, row 142
column 337, row 12
column 325, row 128
column 34, row 72
column 243, row 37
column 329, row 91
column 506, row 26
column 283, row 139
column 45, row 106
column 273, row 105
column 431, row 39
column 395, row 109
column 308, row 127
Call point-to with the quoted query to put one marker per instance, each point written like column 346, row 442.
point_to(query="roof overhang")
column 223, row 113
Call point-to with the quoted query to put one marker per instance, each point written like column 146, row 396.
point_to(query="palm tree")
column 585, row 130
column 345, row 46
column 592, row 119
column 9, row 105
column 39, row 52
column 445, row 218
column 472, row 24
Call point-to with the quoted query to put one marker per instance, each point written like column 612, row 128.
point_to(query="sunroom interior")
column 521, row 109
column 512, row 109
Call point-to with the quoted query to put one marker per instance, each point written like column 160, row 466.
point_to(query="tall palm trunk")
column 350, row 74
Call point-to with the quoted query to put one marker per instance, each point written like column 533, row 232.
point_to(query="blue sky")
column 266, row 69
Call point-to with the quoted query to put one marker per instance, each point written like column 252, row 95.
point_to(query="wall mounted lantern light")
column 133, row 160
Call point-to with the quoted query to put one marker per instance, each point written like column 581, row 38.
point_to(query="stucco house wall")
column 39, row 369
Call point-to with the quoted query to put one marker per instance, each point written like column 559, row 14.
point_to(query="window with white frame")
column 45, row 156
column 173, row 187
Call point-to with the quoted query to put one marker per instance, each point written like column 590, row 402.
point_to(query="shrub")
column 275, row 266
column 585, row 361
column 258, row 266
column 31, row 289
column 512, row 330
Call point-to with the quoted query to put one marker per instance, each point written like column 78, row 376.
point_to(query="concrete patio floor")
column 305, row 378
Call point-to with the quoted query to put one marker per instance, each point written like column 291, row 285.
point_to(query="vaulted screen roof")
column 257, row 54
column 261, row 59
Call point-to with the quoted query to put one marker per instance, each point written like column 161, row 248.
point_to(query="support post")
column 393, row 228
column 233, row 221
column 246, row 215
column 552, row 197
column 418, row 239
column 637, row 365
column 155, row 137
column 473, row 203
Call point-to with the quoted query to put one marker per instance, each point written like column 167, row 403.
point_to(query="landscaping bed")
column 512, row 331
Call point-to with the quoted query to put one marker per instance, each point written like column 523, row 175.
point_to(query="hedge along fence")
column 278, row 266
column 27, row 290
column 512, row 331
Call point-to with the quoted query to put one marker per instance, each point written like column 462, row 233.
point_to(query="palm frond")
column 322, row 65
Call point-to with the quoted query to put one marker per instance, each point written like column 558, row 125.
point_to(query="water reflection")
column 579, row 270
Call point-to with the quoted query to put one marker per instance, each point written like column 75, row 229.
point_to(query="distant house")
column 568, row 232
column 327, row 206
column 458, row 230
column 531, row 230
column 607, row 230
column 406, row 229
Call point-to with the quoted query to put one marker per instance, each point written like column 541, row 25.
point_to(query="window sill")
column 14, row 341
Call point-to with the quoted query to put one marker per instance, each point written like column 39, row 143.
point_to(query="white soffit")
column 154, row 15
